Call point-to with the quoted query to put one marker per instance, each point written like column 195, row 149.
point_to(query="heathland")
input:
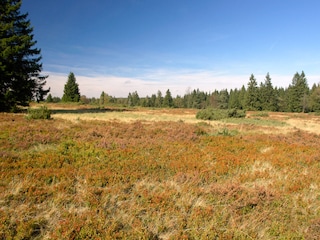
column 127, row 173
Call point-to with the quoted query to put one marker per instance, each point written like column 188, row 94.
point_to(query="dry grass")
column 132, row 115
column 281, row 123
column 155, row 178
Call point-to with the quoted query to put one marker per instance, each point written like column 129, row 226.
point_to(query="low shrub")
column 217, row 114
column 235, row 113
column 227, row 132
column 39, row 113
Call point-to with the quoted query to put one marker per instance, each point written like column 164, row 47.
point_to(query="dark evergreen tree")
column 223, row 99
column 56, row 99
column 20, row 67
column 104, row 99
column 71, row 90
column 168, row 100
column 201, row 99
column 298, row 93
column 101, row 99
column 213, row 99
column 252, row 96
column 234, row 99
column 159, row 99
column 268, row 95
column 315, row 98
column 129, row 100
column 281, row 94
column 145, row 102
column 198, row 99
column 133, row 99
column 187, row 99
column 153, row 100
column 178, row 102
column 49, row 98
column 242, row 96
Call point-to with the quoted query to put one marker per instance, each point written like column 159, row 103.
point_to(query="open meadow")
column 120, row 173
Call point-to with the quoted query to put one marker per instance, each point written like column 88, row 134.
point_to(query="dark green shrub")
column 218, row 114
column 205, row 114
column 39, row 113
column 235, row 113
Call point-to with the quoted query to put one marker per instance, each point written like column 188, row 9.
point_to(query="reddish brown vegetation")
column 149, row 180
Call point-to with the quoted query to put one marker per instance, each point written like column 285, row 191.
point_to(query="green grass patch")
column 256, row 121
column 260, row 114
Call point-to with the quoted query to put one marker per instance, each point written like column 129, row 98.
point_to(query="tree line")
column 297, row 97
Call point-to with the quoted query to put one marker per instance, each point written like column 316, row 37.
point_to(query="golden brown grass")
column 156, row 179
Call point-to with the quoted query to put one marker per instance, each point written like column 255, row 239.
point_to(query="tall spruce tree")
column 223, row 99
column 20, row 67
column 281, row 94
column 268, row 95
column 49, row 98
column 298, row 93
column 242, row 97
column 168, row 100
column 159, row 99
column 71, row 91
column 252, row 96
column 104, row 99
column 315, row 98
column 234, row 99
column 153, row 100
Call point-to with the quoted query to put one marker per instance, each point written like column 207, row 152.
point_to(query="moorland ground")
column 159, row 174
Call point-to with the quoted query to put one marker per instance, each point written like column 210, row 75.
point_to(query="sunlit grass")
column 129, row 116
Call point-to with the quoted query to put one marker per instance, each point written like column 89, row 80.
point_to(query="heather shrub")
column 39, row 113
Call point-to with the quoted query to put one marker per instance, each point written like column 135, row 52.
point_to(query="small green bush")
column 218, row 114
column 235, row 113
column 39, row 113
column 227, row 132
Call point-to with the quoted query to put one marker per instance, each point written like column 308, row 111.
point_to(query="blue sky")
column 121, row 46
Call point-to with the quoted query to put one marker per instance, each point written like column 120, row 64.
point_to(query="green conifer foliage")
column 20, row 67
column 315, row 98
column 71, row 91
column 268, row 97
column 298, row 93
column 168, row 100
column 252, row 97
